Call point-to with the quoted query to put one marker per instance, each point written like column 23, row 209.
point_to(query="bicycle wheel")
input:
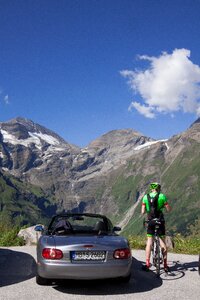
column 157, row 257
column 153, row 251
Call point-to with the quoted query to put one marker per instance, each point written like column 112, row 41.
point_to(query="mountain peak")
column 119, row 138
column 24, row 131
column 22, row 127
column 117, row 135
column 20, row 120
column 195, row 122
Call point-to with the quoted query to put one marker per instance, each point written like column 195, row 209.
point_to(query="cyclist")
column 153, row 204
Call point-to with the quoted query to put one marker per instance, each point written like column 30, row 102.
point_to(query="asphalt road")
column 17, row 280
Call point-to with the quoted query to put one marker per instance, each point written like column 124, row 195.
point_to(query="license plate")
column 88, row 255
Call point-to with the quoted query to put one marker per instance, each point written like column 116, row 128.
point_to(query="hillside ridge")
column 108, row 176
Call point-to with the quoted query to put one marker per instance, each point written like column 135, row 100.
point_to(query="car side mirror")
column 39, row 228
column 117, row 228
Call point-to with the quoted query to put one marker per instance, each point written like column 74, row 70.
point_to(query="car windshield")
column 79, row 223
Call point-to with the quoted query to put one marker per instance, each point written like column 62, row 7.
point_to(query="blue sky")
column 85, row 67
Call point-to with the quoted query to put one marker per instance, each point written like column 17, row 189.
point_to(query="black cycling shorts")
column 151, row 228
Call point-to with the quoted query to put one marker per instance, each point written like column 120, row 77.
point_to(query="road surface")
column 17, row 280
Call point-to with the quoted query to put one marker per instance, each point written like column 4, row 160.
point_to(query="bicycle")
column 156, row 249
column 157, row 257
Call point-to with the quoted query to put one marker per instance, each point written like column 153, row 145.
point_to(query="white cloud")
column 144, row 110
column 170, row 84
column 6, row 99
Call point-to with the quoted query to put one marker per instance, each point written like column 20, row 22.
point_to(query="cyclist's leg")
column 148, row 253
column 148, row 249
column 163, row 244
column 150, row 232
column 163, row 247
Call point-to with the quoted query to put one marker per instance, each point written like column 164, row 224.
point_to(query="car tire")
column 41, row 280
column 125, row 279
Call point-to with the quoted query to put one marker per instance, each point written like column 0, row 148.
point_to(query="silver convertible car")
column 82, row 246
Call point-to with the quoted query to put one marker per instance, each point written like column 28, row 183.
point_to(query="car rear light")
column 122, row 253
column 51, row 253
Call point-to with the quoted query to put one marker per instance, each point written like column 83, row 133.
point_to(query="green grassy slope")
column 181, row 182
column 22, row 203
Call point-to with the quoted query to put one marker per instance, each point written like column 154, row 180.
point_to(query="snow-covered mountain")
column 109, row 176
column 36, row 138
column 25, row 145
column 39, row 156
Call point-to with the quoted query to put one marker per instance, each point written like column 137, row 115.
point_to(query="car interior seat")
column 63, row 227
column 100, row 226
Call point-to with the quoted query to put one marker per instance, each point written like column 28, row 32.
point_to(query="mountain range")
column 42, row 174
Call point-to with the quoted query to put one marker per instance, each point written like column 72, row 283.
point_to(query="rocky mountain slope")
column 109, row 176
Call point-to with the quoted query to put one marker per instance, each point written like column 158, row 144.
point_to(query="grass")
column 125, row 193
column 187, row 245
column 137, row 242
column 184, row 245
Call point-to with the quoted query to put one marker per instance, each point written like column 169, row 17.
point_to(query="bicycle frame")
column 156, row 249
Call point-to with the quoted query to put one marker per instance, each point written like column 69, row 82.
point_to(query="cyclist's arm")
column 143, row 210
column 166, row 204
column 168, row 207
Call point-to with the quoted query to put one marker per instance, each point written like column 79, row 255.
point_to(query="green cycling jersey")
column 162, row 201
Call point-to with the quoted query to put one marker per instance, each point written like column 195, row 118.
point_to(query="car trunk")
column 100, row 242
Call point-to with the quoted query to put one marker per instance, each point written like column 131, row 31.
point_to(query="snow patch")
column 167, row 146
column 35, row 138
column 45, row 137
column 148, row 144
column 9, row 138
column 84, row 150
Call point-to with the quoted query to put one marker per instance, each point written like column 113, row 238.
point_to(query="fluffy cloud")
column 6, row 99
column 170, row 84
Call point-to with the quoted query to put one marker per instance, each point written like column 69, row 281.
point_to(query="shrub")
column 9, row 237
column 186, row 245
column 137, row 242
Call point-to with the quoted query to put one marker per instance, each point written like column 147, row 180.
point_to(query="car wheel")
column 125, row 279
column 41, row 280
